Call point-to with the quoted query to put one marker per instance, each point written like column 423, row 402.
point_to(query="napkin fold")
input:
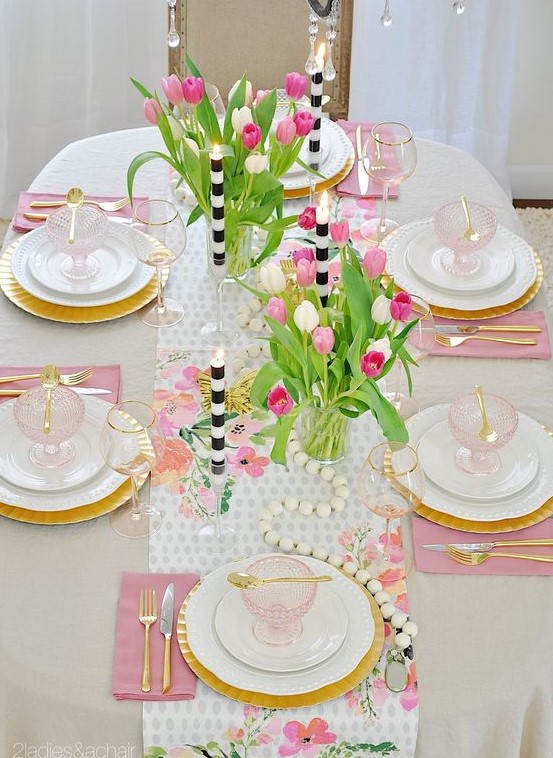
column 483, row 349
column 427, row 533
column 22, row 224
column 350, row 185
column 106, row 377
column 129, row 641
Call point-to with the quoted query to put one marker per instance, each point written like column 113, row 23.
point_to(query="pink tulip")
column 339, row 232
column 400, row 307
column 193, row 89
column 172, row 87
column 251, row 136
column 304, row 122
column 260, row 94
column 306, row 271
column 307, row 219
column 322, row 338
column 276, row 309
column 152, row 109
column 372, row 363
column 280, row 401
column 374, row 262
column 285, row 131
column 303, row 253
column 295, row 85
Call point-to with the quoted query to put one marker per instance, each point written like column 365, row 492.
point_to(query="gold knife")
column 36, row 216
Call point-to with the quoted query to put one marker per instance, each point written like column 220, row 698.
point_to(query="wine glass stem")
column 136, row 511
column 387, row 540
column 160, row 305
column 382, row 222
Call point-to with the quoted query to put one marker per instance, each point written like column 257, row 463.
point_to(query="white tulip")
column 383, row 346
column 380, row 311
column 306, row 317
column 193, row 146
column 272, row 279
column 256, row 163
column 240, row 117
column 249, row 93
column 177, row 129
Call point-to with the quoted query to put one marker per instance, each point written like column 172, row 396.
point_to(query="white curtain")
column 64, row 75
column 450, row 77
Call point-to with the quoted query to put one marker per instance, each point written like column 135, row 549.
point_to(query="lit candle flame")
column 216, row 151
column 220, row 355
column 321, row 55
column 323, row 203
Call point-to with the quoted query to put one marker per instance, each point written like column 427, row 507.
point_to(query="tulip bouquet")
column 326, row 361
column 257, row 153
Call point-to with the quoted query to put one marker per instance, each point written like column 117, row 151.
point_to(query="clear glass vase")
column 239, row 252
column 324, row 433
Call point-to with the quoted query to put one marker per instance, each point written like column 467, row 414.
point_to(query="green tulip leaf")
column 268, row 375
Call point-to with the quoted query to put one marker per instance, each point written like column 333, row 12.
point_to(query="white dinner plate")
column 520, row 503
column 324, row 630
column 519, row 466
column 206, row 647
column 336, row 149
column 424, row 254
column 83, row 480
column 397, row 243
column 35, row 264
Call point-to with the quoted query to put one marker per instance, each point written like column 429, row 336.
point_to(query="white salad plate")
column 523, row 276
column 205, row 645
column 324, row 630
column 424, row 254
column 530, row 436
column 519, row 466
column 83, row 480
column 36, row 265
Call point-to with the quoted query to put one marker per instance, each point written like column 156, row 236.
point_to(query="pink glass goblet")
column 279, row 607
column 90, row 225
column 67, row 414
column 477, row 456
column 451, row 227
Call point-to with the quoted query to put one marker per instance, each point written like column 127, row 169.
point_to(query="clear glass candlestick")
column 215, row 333
column 216, row 537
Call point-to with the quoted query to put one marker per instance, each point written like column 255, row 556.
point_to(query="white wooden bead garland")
column 405, row 630
column 249, row 354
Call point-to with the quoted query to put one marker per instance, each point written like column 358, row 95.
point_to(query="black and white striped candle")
column 218, row 460
column 321, row 247
column 314, row 155
column 217, row 208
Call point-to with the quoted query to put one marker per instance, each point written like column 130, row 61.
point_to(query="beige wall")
column 530, row 155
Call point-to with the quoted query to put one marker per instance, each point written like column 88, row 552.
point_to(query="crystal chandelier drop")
column 173, row 38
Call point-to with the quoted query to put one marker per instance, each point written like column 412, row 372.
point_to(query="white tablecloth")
column 483, row 654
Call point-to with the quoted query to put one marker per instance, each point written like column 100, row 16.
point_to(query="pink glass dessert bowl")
column 90, row 226
column 450, row 226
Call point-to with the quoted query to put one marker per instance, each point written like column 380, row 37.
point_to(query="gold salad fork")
column 108, row 205
column 67, row 379
column 451, row 341
column 147, row 615
column 475, row 559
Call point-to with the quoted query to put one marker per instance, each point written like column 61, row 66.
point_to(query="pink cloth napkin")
column 105, row 377
column 350, row 185
column 22, row 224
column 129, row 641
column 482, row 349
column 427, row 533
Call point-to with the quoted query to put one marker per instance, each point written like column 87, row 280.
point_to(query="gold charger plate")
column 325, row 183
column 69, row 314
column 496, row 310
column 321, row 695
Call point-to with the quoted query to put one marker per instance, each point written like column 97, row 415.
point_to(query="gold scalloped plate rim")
column 66, row 313
column 266, row 700
column 72, row 515
column 326, row 184
column 496, row 310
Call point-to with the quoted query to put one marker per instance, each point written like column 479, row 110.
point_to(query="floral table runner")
column 368, row 720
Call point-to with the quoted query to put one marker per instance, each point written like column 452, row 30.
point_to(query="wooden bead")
column 363, row 576
column 272, row 538
column 264, row 526
column 402, row 640
column 254, row 350
column 410, row 628
column 294, row 447
column 306, row 507
column 256, row 324
column 374, row 586
column 266, row 350
column 350, row 567
column 243, row 319
column 276, row 507
column 328, row 473
column 342, row 491
column 293, row 435
column 387, row 610
column 255, row 305
column 242, row 355
column 339, row 481
column 301, row 458
column 335, row 560
column 238, row 365
column 381, row 597
column 337, row 503
column 265, row 514
column 243, row 309
column 323, row 510
column 312, row 467
column 291, row 503
column 320, row 553
column 303, row 548
column 286, row 544
column 398, row 619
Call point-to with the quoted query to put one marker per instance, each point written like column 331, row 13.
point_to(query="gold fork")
column 109, row 205
column 451, row 341
column 67, row 379
column 147, row 615
column 475, row 559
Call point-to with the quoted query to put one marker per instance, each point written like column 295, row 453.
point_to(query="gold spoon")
column 50, row 378
column 74, row 200
column 245, row 581
column 470, row 234
column 486, row 433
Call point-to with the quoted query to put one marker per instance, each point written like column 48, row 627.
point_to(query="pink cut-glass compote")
column 279, row 607
column 477, row 456
column 90, row 226
column 450, row 225
column 67, row 415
